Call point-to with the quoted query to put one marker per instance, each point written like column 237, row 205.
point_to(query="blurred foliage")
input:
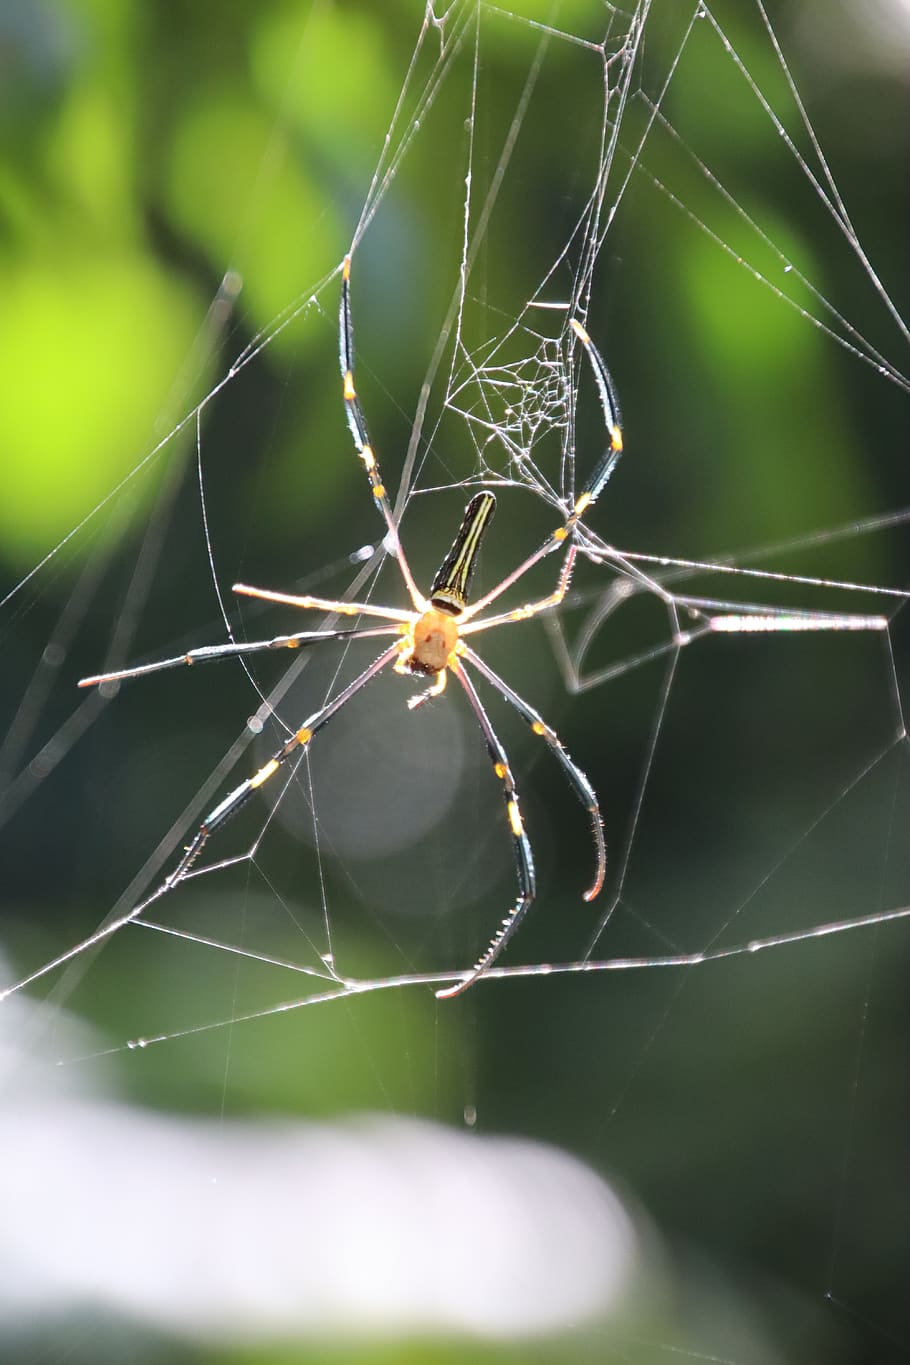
column 156, row 158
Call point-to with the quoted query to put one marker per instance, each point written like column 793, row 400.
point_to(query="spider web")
column 726, row 667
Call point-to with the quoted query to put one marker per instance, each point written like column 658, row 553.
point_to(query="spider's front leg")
column 299, row 739
column 577, row 779
column 524, row 859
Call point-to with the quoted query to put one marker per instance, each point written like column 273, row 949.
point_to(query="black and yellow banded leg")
column 238, row 798
column 524, row 860
column 609, row 403
column 359, row 431
column 577, row 780
column 585, row 500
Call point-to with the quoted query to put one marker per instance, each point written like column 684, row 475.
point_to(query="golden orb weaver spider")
column 430, row 642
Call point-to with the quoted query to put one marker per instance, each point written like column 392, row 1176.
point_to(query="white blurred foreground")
column 229, row 1230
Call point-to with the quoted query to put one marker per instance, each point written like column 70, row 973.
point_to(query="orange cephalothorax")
column 435, row 636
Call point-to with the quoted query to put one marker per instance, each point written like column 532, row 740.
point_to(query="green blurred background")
column 755, row 1109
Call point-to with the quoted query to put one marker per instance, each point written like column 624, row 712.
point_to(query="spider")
column 430, row 641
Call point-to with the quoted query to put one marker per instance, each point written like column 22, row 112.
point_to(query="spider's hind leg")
column 360, row 433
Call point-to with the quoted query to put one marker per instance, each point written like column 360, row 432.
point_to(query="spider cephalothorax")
column 429, row 645
column 430, row 640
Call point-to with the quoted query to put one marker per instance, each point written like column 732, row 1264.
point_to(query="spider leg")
column 298, row 740
column 326, row 604
column 211, row 653
column 360, row 433
column 524, row 861
column 586, row 498
column 610, row 406
column 577, row 780
column 529, row 609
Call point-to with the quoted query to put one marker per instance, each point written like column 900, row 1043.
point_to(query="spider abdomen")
column 435, row 637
